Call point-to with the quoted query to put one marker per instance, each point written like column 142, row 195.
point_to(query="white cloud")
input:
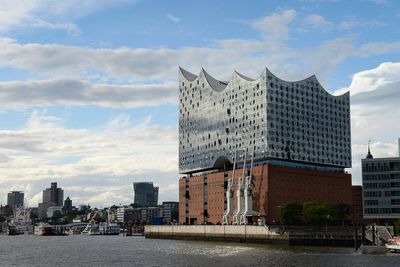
column 275, row 26
column 318, row 21
column 173, row 18
column 97, row 166
column 352, row 23
column 51, row 14
column 375, row 112
column 70, row 91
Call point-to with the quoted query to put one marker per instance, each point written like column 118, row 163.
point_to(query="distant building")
column 15, row 198
column 6, row 210
column 148, row 215
column 53, row 195
column 42, row 209
column 67, row 205
column 381, row 187
column 145, row 194
column 51, row 210
column 129, row 215
column 170, row 212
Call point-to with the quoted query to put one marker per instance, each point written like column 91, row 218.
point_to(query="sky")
column 88, row 88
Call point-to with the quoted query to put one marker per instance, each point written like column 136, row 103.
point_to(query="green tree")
column 317, row 214
column 290, row 213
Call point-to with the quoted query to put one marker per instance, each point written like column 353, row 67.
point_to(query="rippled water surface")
column 138, row 251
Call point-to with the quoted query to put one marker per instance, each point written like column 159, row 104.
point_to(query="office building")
column 67, row 205
column 381, row 187
column 170, row 212
column 15, row 198
column 53, row 195
column 145, row 194
column 295, row 135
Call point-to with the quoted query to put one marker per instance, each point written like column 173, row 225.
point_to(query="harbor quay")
column 321, row 236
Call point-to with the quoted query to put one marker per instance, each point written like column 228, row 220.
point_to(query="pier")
column 321, row 236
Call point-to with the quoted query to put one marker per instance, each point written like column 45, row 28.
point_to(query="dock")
column 329, row 236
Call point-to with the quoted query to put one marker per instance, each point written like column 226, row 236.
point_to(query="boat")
column 74, row 232
column 21, row 222
column 393, row 244
column 109, row 228
column 91, row 228
column 44, row 229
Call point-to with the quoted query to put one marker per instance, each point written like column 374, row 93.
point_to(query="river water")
column 29, row 250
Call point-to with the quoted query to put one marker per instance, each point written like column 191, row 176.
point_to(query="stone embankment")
column 232, row 233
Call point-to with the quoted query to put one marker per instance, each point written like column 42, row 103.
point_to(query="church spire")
column 369, row 155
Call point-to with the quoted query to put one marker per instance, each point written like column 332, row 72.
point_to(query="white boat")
column 21, row 222
column 109, row 228
column 91, row 228
column 74, row 232
column 393, row 244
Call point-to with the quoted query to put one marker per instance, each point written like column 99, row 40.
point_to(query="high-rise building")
column 53, row 195
column 145, row 194
column 277, row 120
column 295, row 134
column 67, row 205
column 381, row 187
column 15, row 198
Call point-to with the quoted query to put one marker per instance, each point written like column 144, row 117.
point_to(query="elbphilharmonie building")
column 296, row 134
column 296, row 124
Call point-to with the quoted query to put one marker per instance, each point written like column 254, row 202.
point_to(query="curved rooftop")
column 219, row 86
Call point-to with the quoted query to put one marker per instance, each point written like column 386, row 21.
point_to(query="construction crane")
column 240, row 195
column 248, row 196
column 229, row 195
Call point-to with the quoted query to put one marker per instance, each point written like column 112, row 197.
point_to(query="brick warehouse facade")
column 273, row 186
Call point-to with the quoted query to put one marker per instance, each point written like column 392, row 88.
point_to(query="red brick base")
column 273, row 186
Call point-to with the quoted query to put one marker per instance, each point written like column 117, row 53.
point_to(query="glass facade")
column 381, row 188
column 274, row 119
column 145, row 194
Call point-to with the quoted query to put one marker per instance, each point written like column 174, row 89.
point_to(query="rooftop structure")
column 296, row 124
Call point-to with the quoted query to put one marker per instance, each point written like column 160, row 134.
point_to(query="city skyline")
column 89, row 96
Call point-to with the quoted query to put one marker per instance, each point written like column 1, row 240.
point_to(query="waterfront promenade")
column 329, row 236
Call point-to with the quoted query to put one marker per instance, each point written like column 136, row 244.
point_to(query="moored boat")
column 109, row 228
column 44, row 229
column 393, row 244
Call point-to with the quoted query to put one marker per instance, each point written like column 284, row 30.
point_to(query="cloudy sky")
column 88, row 88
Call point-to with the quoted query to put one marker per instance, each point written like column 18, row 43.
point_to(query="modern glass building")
column 381, row 187
column 15, row 198
column 295, row 124
column 145, row 194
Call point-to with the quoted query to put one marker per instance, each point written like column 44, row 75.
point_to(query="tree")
column 290, row 213
column 317, row 214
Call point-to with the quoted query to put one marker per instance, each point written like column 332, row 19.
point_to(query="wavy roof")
column 218, row 85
